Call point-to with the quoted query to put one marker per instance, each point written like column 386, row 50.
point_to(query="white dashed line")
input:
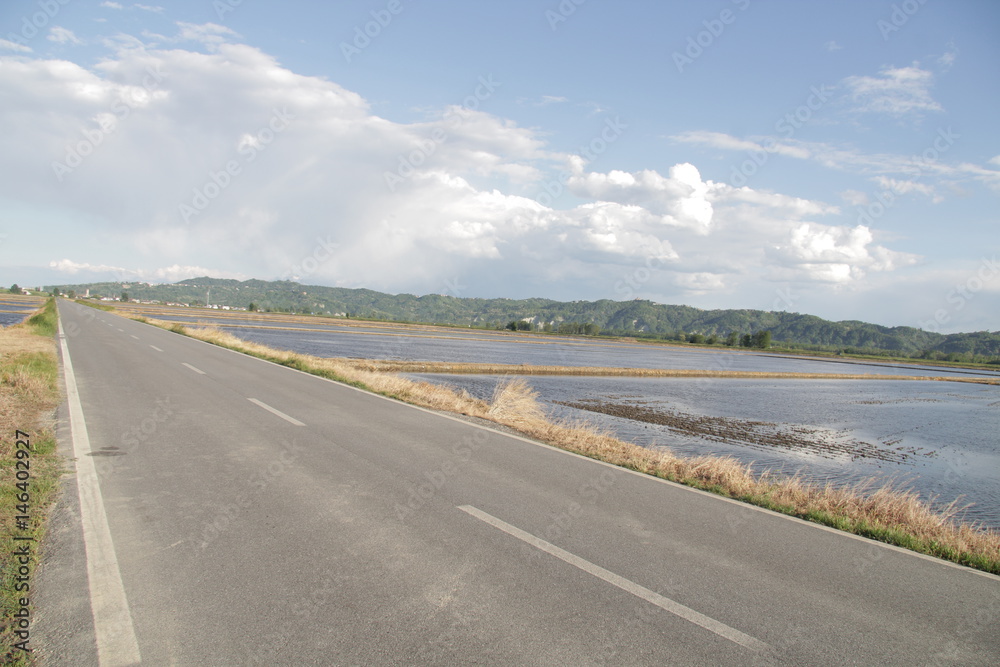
column 626, row 585
column 290, row 420
column 196, row 370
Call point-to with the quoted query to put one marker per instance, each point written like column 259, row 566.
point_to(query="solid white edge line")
column 196, row 370
column 113, row 629
column 262, row 404
column 676, row 608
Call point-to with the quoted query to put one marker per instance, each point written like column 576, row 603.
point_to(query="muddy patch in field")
column 763, row 435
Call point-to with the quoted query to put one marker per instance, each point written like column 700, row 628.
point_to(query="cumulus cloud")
column 680, row 199
column 823, row 253
column 212, row 158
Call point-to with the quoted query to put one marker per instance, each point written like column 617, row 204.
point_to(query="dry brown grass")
column 444, row 367
column 28, row 395
column 890, row 514
column 25, row 395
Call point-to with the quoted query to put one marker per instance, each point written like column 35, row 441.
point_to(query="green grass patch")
column 45, row 321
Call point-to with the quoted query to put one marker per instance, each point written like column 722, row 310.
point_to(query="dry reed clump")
column 515, row 402
column 887, row 513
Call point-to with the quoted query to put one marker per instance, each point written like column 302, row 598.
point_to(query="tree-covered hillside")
column 641, row 319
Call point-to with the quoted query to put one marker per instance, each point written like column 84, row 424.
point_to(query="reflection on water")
column 10, row 319
column 938, row 437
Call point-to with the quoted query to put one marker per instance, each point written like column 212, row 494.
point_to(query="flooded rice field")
column 15, row 311
column 940, row 438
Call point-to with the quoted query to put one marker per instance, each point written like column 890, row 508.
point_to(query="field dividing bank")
column 30, row 467
column 447, row 368
column 892, row 515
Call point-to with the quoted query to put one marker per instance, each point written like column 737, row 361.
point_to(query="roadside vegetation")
column 29, row 392
column 446, row 367
column 893, row 515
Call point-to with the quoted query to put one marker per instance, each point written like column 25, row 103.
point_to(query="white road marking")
column 134, row 336
column 156, row 348
column 262, row 404
column 196, row 370
column 115, row 634
column 626, row 585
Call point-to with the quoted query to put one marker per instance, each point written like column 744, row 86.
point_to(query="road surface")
column 226, row 511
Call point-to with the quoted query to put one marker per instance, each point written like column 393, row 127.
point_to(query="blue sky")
column 840, row 159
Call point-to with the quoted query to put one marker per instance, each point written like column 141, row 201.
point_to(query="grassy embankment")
column 29, row 392
column 891, row 515
column 390, row 366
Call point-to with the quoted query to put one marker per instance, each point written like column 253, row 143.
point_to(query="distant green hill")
column 641, row 319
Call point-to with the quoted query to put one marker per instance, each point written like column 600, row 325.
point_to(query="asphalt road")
column 256, row 515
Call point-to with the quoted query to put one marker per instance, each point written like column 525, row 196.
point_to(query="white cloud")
column 206, row 33
column 111, row 5
column 307, row 196
column 71, row 267
column 834, row 254
column 156, row 9
column 14, row 46
column 167, row 274
column 767, row 145
column 902, row 187
column 899, row 91
column 61, row 35
column 855, row 197
column 900, row 168
column 682, row 199
column 832, row 45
